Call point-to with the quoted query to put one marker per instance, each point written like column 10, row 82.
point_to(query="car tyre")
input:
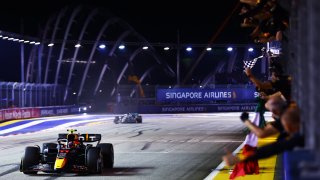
column 94, row 160
column 139, row 119
column 116, row 120
column 108, row 154
column 31, row 158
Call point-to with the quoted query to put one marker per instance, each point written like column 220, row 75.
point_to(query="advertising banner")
column 62, row 110
column 52, row 111
column 198, row 108
column 23, row 113
column 206, row 95
column 47, row 112
column 11, row 114
column 74, row 110
column 35, row 112
column 26, row 113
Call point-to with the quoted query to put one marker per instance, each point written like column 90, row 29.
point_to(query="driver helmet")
column 73, row 140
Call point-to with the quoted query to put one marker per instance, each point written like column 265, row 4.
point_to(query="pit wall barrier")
column 36, row 112
column 120, row 108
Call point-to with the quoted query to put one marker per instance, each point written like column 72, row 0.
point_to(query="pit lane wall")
column 185, row 108
column 25, row 113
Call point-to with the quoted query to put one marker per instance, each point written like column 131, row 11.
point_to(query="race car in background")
column 73, row 153
column 128, row 118
column 85, row 108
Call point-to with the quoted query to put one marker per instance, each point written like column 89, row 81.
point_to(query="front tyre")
column 31, row 158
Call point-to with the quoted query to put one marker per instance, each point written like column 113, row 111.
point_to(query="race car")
column 128, row 118
column 85, row 108
column 73, row 153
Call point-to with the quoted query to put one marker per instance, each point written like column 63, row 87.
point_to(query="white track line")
column 33, row 123
column 215, row 172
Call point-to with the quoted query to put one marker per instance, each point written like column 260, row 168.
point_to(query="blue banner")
column 58, row 110
column 47, row 112
column 197, row 108
column 206, row 95
column 62, row 111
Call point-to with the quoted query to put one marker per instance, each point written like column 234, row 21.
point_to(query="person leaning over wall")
column 277, row 106
column 291, row 122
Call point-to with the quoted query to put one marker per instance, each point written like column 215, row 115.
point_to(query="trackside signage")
column 206, row 95
column 20, row 113
column 197, row 108
column 23, row 113
column 47, row 112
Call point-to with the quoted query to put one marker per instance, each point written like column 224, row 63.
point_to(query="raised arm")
column 257, row 82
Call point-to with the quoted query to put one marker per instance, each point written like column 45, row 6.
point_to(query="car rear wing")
column 83, row 137
column 90, row 137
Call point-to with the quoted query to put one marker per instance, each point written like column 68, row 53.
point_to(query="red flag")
column 248, row 167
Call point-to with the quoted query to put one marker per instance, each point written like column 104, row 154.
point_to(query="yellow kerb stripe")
column 9, row 122
column 267, row 166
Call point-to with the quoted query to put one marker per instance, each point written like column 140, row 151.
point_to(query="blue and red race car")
column 73, row 153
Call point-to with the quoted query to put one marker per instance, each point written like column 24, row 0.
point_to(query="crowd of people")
column 269, row 20
column 274, row 97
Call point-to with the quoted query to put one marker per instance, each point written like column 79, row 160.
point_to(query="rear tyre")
column 94, row 160
column 116, row 120
column 139, row 119
column 108, row 154
column 31, row 158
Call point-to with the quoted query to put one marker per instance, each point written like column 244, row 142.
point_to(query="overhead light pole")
column 178, row 57
column 22, row 54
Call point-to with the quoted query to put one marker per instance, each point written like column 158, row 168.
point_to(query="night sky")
column 157, row 21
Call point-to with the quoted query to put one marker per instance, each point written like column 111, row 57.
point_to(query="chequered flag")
column 251, row 63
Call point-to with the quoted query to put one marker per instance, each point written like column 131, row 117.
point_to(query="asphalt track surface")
column 181, row 146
